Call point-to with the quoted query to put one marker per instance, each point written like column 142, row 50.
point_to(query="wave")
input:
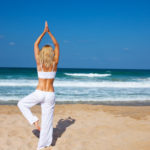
column 143, row 79
column 19, row 83
column 87, row 75
column 9, row 98
column 85, row 99
column 73, row 83
column 104, row 84
column 108, row 99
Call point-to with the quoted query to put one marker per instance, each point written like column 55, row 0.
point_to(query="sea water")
column 79, row 85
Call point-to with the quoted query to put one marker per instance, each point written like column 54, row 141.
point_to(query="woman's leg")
column 29, row 101
column 47, row 109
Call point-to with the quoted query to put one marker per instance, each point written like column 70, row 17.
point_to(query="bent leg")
column 27, row 102
column 46, row 133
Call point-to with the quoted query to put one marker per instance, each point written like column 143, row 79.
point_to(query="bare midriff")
column 45, row 85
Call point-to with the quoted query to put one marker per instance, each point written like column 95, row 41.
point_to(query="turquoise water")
column 79, row 84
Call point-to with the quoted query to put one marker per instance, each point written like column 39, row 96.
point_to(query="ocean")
column 96, row 86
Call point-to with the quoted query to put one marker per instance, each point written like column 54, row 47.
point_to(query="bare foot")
column 37, row 125
column 48, row 148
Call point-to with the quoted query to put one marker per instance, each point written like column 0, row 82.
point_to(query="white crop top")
column 46, row 75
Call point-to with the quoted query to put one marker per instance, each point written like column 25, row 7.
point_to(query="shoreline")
column 109, row 103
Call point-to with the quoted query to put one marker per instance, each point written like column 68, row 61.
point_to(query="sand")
column 80, row 127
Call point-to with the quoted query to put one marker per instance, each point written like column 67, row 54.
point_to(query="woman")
column 47, row 61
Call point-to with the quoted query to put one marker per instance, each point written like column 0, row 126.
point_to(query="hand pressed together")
column 46, row 29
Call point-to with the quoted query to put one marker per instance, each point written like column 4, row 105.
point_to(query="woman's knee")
column 19, row 104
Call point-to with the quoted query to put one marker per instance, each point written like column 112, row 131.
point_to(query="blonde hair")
column 46, row 55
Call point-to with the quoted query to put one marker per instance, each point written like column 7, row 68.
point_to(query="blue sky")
column 91, row 34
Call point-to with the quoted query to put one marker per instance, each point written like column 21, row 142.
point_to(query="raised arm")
column 56, row 50
column 36, row 47
column 37, row 42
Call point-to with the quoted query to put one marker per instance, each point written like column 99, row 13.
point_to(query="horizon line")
column 81, row 68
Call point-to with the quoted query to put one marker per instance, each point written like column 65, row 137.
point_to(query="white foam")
column 9, row 98
column 111, row 99
column 103, row 84
column 78, row 83
column 87, row 74
column 143, row 79
column 19, row 82
column 119, row 98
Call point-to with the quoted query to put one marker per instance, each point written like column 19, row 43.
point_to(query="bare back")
column 46, row 84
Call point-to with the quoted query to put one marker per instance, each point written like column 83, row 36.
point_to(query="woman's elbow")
column 56, row 44
column 36, row 43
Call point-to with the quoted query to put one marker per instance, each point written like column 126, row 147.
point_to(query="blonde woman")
column 47, row 61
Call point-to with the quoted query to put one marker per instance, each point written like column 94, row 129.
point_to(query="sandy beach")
column 80, row 127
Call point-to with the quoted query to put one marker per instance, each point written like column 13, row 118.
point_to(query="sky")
column 91, row 34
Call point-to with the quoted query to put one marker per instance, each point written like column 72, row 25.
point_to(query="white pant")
column 47, row 101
